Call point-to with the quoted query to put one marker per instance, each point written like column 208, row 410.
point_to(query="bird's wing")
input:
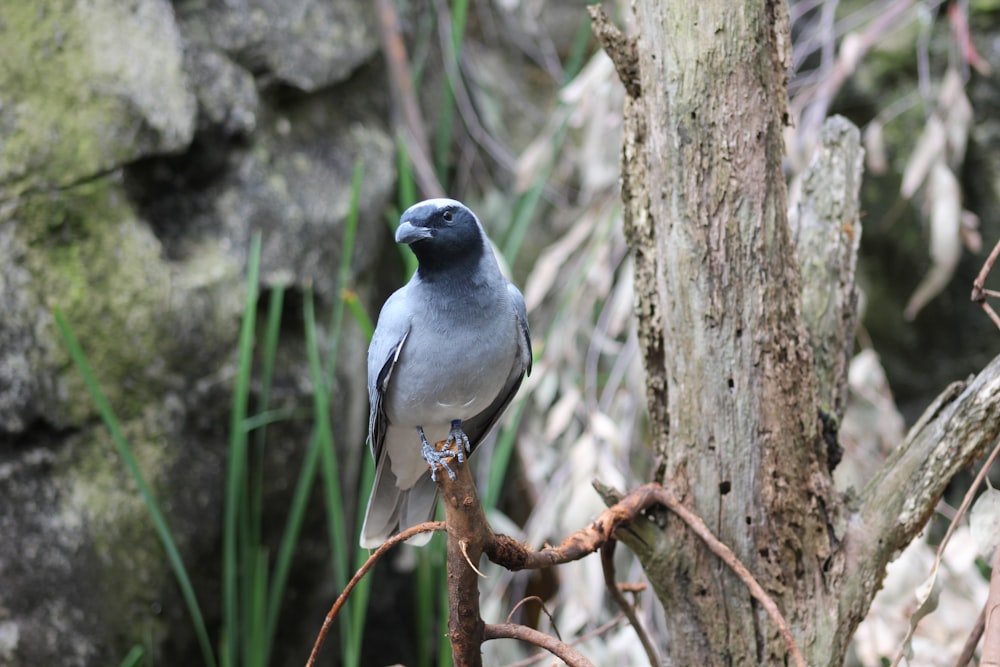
column 383, row 353
column 479, row 426
column 524, row 340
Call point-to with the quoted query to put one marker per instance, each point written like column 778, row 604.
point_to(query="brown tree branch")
column 470, row 536
column 468, row 532
column 359, row 575
column 561, row 650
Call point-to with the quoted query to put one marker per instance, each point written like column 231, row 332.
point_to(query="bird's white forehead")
column 440, row 202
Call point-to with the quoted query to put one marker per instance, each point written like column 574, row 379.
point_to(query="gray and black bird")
column 449, row 352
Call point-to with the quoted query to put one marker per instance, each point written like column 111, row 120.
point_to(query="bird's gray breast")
column 454, row 362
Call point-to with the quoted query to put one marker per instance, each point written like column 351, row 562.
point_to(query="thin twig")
column 545, row 610
column 362, row 571
column 465, row 552
column 979, row 293
column 561, row 650
column 608, row 568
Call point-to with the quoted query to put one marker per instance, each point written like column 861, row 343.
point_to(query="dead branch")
column 955, row 430
column 826, row 225
column 925, row 605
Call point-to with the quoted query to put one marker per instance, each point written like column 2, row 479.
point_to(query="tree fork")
column 738, row 359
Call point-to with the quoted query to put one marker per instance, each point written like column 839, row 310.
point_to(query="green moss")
column 91, row 257
column 125, row 557
column 86, row 90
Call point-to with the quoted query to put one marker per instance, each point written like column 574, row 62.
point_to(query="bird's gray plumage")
column 452, row 344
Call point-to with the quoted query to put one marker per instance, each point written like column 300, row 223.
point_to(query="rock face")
column 142, row 144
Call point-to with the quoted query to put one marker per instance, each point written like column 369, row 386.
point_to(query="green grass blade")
column 359, row 599
column 236, row 468
column 258, row 641
column 125, row 451
column 446, row 113
column 286, row 548
column 339, row 549
column 262, row 419
column 424, row 598
column 359, row 313
column 257, row 644
column 344, row 274
column 407, row 197
column 133, row 657
column 501, row 460
column 407, row 188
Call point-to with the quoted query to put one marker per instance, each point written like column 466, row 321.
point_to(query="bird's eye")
column 447, row 215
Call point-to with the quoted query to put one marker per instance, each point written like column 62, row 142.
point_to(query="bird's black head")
column 443, row 233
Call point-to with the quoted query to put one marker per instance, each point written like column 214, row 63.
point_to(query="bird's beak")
column 407, row 233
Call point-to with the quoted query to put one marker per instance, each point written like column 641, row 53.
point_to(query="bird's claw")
column 459, row 440
column 435, row 458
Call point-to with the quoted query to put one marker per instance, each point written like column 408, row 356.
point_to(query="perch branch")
column 362, row 571
column 468, row 532
column 470, row 536
column 955, row 430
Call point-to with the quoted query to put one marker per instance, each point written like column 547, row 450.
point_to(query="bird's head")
column 441, row 233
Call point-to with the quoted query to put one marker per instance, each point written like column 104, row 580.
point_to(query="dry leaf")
column 875, row 156
column 984, row 521
column 944, row 196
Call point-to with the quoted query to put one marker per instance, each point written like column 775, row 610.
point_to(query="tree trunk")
column 739, row 410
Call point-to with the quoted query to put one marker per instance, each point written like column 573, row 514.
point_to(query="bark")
column 744, row 444
column 745, row 366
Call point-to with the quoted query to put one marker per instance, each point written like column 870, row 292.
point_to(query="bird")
column 449, row 352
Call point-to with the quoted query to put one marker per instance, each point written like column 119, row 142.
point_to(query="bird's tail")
column 391, row 509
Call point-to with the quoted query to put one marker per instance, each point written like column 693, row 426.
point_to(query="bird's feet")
column 458, row 440
column 456, row 446
column 435, row 458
